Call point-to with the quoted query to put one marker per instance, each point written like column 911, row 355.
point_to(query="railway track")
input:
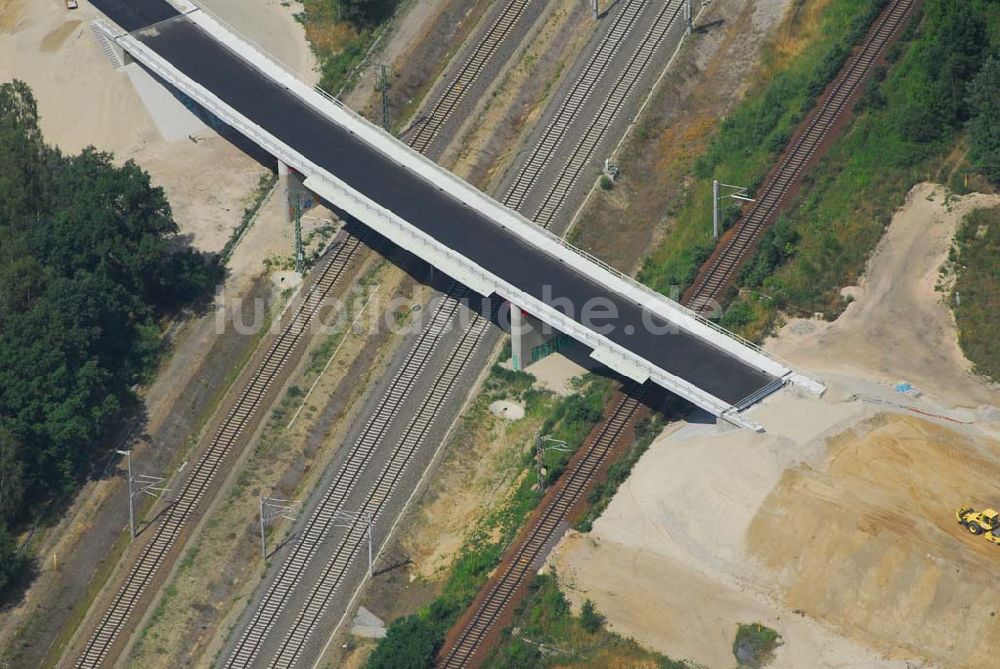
column 349, row 549
column 547, row 526
column 465, row 647
column 145, row 568
column 324, row 517
column 583, row 152
column 721, row 268
column 251, row 642
column 444, row 107
column 238, row 424
column 543, row 151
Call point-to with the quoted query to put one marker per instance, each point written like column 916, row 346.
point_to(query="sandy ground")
column 836, row 526
column 82, row 102
column 556, row 372
column 895, row 330
column 272, row 25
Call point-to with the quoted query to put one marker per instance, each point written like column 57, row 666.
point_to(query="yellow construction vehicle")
column 993, row 537
column 978, row 522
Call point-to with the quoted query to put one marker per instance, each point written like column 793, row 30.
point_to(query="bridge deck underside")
column 419, row 202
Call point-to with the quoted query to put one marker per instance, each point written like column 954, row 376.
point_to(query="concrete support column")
column 530, row 339
column 517, row 332
column 284, row 187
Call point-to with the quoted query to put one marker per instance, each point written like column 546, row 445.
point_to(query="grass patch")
column 907, row 124
column 796, row 67
column 340, row 45
column 975, row 297
column 754, row 645
column 413, row 641
column 252, row 205
column 549, row 635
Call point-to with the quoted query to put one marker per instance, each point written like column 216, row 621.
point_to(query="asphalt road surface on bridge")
column 420, row 203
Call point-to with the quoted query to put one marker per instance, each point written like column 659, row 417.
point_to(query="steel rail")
column 444, row 107
column 289, row 578
column 583, row 152
column 150, row 561
column 503, row 588
column 569, row 109
column 531, row 548
column 240, row 420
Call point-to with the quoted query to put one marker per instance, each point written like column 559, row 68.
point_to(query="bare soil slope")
column 867, row 542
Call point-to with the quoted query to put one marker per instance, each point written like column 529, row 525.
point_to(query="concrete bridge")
column 440, row 218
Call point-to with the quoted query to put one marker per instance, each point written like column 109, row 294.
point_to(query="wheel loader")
column 978, row 522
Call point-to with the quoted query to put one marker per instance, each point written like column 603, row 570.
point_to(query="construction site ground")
column 836, row 526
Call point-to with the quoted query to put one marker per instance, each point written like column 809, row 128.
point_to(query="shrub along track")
column 809, row 143
column 493, row 609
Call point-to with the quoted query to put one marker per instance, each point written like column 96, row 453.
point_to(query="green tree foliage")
column 976, row 294
column 590, row 619
column 984, row 126
column 409, row 643
column 88, row 261
column 949, row 51
column 754, row 645
column 910, row 119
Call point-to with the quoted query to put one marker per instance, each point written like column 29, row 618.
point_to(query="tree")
column 11, row 563
column 409, row 643
column 89, row 262
column 365, row 13
column 590, row 619
column 11, row 475
column 984, row 125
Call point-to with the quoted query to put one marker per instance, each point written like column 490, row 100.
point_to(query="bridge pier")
column 530, row 339
column 284, row 187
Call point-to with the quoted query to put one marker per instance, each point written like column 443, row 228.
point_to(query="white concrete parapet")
column 461, row 190
column 399, row 231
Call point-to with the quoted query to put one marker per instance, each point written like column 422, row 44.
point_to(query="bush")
column 590, row 620
column 976, row 295
column 737, row 315
column 410, row 643
column 775, row 248
column 364, row 13
column 984, row 124
column 755, row 644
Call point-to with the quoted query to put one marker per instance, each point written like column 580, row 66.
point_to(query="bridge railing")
column 535, row 228
column 423, row 245
column 273, row 59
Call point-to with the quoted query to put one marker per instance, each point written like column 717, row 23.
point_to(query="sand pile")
column 869, row 543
